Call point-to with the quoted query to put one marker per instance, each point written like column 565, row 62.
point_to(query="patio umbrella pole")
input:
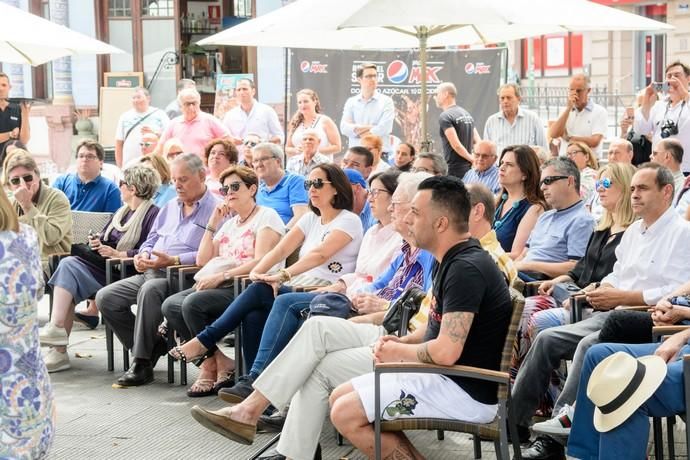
column 422, row 35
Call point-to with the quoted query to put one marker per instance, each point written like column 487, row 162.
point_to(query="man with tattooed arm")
column 468, row 321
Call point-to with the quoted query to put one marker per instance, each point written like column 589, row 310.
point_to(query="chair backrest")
column 83, row 221
column 518, row 305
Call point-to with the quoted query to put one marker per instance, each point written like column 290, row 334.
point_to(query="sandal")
column 204, row 387
column 179, row 355
column 226, row 380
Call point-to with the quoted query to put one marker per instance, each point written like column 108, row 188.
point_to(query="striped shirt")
column 527, row 129
column 488, row 178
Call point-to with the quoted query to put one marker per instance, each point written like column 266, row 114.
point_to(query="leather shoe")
column 138, row 374
column 544, row 448
column 225, row 426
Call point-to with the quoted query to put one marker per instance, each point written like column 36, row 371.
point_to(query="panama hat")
column 620, row 384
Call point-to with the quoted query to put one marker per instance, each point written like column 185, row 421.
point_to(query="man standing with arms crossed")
column 457, row 129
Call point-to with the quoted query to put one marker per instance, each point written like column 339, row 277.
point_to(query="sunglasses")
column 27, row 178
column 231, row 187
column 316, row 183
column 250, row 143
column 548, row 180
column 605, row 182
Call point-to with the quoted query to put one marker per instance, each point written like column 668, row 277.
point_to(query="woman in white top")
column 226, row 251
column 328, row 240
column 588, row 165
column 309, row 115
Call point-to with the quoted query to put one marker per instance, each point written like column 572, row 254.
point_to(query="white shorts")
column 421, row 396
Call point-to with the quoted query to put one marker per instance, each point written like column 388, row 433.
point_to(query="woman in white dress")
column 309, row 116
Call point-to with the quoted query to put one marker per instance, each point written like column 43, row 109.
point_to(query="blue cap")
column 355, row 177
column 331, row 304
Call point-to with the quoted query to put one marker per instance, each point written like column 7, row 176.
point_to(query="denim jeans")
column 250, row 310
column 628, row 440
column 283, row 322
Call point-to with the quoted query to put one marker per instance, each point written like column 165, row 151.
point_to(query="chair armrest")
column 456, row 371
column 171, row 273
column 633, row 307
column 111, row 264
column 305, row 288
column 660, row 331
column 186, row 276
column 577, row 302
column 54, row 260
column 532, row 288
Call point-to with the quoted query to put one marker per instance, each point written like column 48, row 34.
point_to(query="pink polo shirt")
column 195, row 134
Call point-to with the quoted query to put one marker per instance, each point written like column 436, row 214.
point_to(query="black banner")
column 331, row 73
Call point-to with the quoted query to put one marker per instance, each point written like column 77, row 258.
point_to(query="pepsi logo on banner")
column 313, row 67
column 397, row 72
column 477, row 69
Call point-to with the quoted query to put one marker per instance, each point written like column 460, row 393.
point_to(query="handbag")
column 402, row 310
column 88, row 255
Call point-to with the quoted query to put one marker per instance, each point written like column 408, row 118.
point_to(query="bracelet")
column 176, row 260
column 284, row 275
column 210, row 229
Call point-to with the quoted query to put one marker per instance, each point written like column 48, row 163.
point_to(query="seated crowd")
column 328, row 248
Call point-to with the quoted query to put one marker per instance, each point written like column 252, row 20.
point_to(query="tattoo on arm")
column 423, row 355
column 456, row 326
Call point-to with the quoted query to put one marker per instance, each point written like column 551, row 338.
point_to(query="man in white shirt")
column 648, row 267
column 251, row 116
column 141, row 118
column 670, row 116
column 582, row 120
column 369, row 112
column 304, row 162
column 513, row 125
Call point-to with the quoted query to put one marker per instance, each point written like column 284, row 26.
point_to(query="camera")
column 668, row 128
column 660, row 87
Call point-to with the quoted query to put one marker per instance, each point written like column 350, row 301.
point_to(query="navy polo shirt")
column 99, row 195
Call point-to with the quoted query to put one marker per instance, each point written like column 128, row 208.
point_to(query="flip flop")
column 207, row 388
column 226, row 381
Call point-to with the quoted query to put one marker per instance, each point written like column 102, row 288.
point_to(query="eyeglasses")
column 27, row 178
column 189, row 104
column 231, row 187
column 605, row 182
column 421, row 169
column 572, row 153
column 374, row 192
column 146, row 144
column 398, row 203
column 250, row 143
column 316, row 183
column 257, row 161
column 483, row 157
column 370, row 76
column 87, row 156
column 548, row 180
column 124, row 183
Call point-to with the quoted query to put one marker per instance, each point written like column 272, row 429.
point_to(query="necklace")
column 241, row 221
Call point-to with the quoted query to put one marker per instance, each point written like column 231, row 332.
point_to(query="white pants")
column 421, row 396
column 324, row 353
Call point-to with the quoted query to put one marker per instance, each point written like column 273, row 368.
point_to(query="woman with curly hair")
column 308, row 116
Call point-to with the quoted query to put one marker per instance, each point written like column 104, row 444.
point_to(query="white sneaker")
column 52, row 335
column 558, row 425
column 56, row 361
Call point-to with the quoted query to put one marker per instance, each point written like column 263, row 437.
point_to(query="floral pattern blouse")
column 27, row 416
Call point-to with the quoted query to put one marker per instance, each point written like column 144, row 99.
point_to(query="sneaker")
column 544, row 448
column 242, row 389
column 52, row 335
column 558, row 425
column 56, row 361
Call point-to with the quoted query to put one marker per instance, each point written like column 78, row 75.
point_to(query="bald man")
column 484, row 170
column 457, row 129
column 304, row 162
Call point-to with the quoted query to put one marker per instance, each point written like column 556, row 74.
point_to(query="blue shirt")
column 367, row 218
column 488, row 178
column 177, row 235
column 165, row 193
column 99, row 195
column 287, row 193
column 378, row 111
column 401, row 272
column 561, row 235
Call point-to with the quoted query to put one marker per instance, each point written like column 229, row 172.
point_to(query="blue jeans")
column 249, row 310
column 283, row 322
column 628, row 440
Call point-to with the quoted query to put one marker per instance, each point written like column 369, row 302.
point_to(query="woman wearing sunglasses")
column 44, row 208
column 78, row 278
column 309, row 116
column 328, row 240
column 219, row 154
column 549, row 309
column 227, row 250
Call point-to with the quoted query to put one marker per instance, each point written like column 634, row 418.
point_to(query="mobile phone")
column 660, row 87
column 629, row 113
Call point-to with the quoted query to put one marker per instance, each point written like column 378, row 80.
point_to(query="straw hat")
column 620, row 384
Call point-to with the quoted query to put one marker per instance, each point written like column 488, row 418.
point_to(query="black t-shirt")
column 468, row 280
column 462, row 122
column 10, row 118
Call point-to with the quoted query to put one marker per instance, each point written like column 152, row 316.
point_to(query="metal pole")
column 423, row 34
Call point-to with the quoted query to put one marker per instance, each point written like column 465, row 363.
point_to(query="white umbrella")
column 29, row 39
column 406, row 24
